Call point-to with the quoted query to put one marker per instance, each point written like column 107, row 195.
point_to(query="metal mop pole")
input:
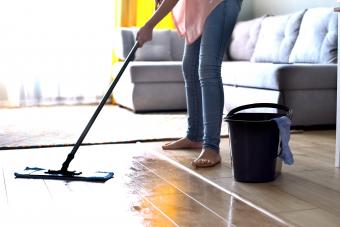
column 71, row 155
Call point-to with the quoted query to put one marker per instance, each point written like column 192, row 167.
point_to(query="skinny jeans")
column 201, row 67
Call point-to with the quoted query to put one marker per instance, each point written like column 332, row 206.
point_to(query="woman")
column 207, row 26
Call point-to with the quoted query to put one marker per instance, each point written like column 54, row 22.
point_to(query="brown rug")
column 33, row 127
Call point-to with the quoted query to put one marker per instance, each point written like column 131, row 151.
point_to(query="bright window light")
column 55, row 49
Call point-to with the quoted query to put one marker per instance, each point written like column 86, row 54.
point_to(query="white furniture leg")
column 337, row 143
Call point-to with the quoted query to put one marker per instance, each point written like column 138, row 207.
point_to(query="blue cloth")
column 283, row 123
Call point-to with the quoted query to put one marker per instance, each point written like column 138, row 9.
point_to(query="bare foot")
column 207, row 158
column 183, row 143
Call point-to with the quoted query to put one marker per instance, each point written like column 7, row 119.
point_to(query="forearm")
column 165, row 7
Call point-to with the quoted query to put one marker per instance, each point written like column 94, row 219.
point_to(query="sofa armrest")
column 123, row 42
column 166, row 45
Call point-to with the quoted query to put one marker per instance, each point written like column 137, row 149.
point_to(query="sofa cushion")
column 317, row 40
column 279, row 76
column 243, row 39
column 277, row 37
column 158, row 49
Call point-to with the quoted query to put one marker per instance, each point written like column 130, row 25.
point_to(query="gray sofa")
column 153, row 81
column 288, row 59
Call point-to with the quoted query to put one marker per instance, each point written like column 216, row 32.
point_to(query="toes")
column 204, row 163
column 168, row 145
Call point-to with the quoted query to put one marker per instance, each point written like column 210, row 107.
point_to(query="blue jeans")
column 202, row 75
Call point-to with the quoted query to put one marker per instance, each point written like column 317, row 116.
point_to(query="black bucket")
column 255, row 142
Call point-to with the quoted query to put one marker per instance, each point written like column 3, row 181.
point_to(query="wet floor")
column 147, row 190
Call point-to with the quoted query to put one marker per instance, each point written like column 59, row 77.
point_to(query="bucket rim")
column 249, row 121
column 230, row 118
column 232, row 112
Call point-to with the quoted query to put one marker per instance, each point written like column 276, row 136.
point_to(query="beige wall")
column 256, row 8
column 247, row 10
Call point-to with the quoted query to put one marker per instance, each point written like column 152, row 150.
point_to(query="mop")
column 64, row 173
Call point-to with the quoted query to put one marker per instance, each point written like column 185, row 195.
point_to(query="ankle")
column 210, row 149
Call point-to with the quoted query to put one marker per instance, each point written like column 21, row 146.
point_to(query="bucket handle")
column 261, row 105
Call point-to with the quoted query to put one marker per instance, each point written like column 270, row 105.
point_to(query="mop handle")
column 70, row 156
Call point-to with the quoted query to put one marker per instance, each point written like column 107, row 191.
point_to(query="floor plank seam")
column 159, row 210
column 296, row 210
column 3, row 176
column 186, row 194
column 239, row 197
column 48, row 190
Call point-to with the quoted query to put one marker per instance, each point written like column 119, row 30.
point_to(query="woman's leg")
column 194, row 135
column 217, row 31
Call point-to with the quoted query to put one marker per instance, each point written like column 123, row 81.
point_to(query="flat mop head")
column 39, row 173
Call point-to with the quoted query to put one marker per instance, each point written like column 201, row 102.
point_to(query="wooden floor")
column 156, row 188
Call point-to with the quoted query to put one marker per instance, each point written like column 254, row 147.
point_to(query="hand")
column 144, row 35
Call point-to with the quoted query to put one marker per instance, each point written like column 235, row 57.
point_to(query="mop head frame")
column 40, row 173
